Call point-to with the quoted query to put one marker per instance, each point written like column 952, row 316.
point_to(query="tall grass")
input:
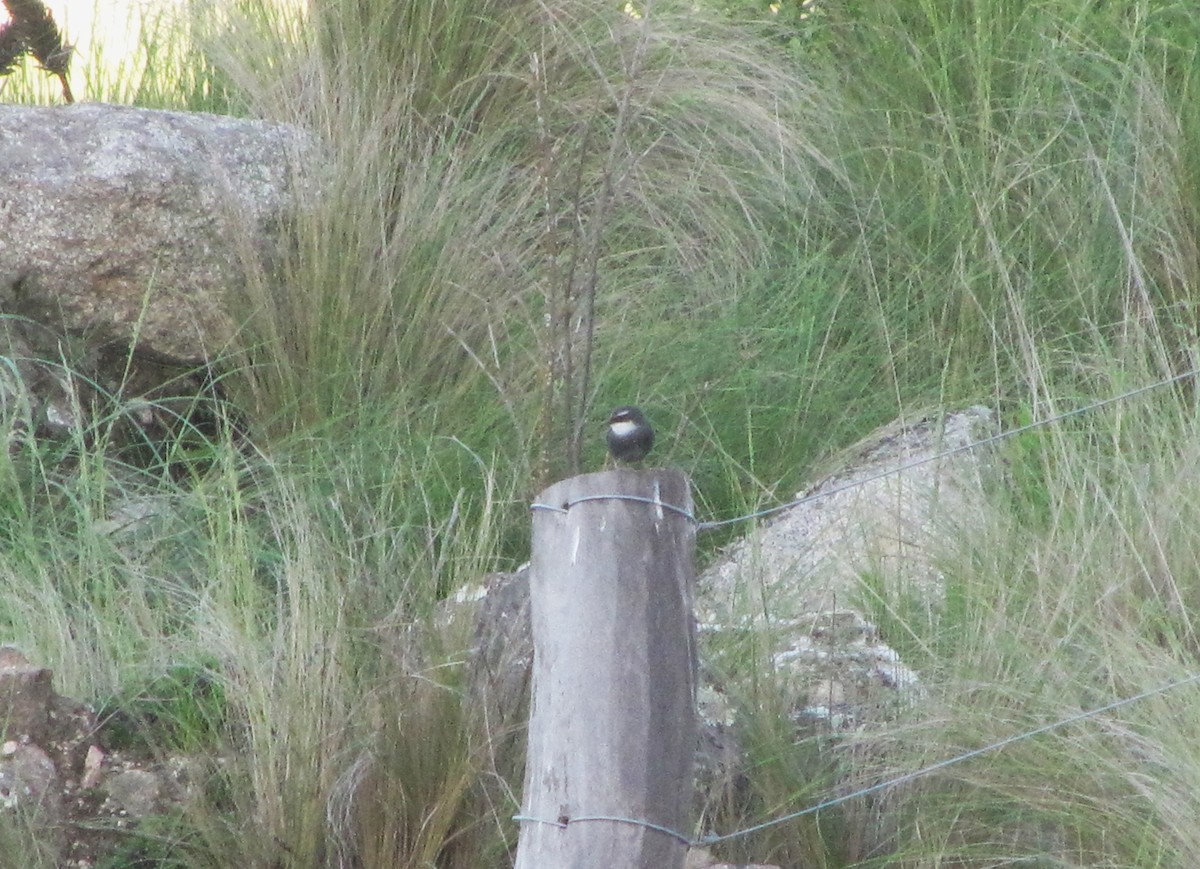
column 1062, row 609
column 1030, row 180
column 515, row 191
column 1031, row 221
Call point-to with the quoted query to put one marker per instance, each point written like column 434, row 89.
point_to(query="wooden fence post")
column 612, row 723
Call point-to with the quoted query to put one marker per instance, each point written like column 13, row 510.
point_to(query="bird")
column 630, row 436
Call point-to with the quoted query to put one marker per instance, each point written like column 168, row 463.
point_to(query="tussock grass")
column 489, row 241
column 1030, row 221
column 1063, row 610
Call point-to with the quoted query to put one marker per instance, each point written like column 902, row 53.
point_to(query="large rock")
column 137, row 227
column 801, row 578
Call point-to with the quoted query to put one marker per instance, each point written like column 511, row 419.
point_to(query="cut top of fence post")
column 611, row 733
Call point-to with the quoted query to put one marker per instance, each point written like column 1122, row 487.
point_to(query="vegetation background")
column 775, row 226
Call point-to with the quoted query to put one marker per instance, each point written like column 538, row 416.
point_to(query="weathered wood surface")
column 611, row 732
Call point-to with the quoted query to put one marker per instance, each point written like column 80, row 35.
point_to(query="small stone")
column 91, row 767
column 136, row 791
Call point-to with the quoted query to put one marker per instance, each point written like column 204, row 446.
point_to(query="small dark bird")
column 630, row 436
